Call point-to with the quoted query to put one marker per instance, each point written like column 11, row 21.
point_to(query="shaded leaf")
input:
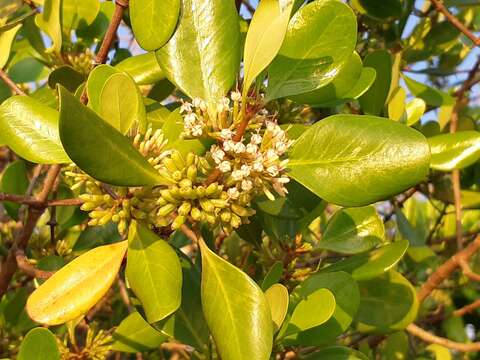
column 63, row 297
column 67, row 77
column 39, row 344
column 76, row 12
column 337, row 353
column 14, row 181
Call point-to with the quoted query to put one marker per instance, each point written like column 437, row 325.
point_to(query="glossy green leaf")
column 50, row 22
column 121, row 103
column 454, row 151
column 415, row 109
column 144, row 68
column 187, row 325
column 431, row 96
column 6, row 40
column 313, row 310
column 14, row 22
column 244, row 307
column 39, row 344
column 373, row 101
column 347, row 300
column 310, row 56
column 396, row 105
column 14, row 180
column 96, row 80
column 63, row 297
column 99, row 149
column 277, row 297
column 353, row 230
column 264, row 38
column 134, row 334
column 353, row 160
column 335, row 90
column 273, row 276
column 153, row 21
column 67, row 77
column 154, row 272
column 364, row 83
column 203, row 56
column 76, row 12
column 387, row 303
column 372, row 264
column 336, row 353
column 30, row 129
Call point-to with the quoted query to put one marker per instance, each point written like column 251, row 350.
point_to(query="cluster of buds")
column 82, row 62
column 207, row 120
column 253, row 165
column 191, row 199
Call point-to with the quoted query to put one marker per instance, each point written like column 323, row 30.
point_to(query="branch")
column 455, row 22
column 27, row 268
column 14, row 87
column 433, row 339
column 467, row 309
column 467, row 270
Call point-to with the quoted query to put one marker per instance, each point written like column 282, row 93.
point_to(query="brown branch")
column 433, row 339
column 31, row 201
column 14, row 87
column 455, row 22
column 458, row 203
column 467, row 270
column 28, row 269
column 467, row 309
column 124, row 294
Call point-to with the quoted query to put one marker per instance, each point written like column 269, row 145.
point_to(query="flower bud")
column 196, row 214
column 207, row 205
column 179, row 221
column 165, row 210
column 185, row 208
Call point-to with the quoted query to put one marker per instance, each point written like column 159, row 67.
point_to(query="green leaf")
column 415, row 109
column 14, row 181
column 372, row 264
column 381, row 10
column 243, row 308
column 153, row 21
column 50, row 21
column 121, row 103
column 387, row 303
column 374, row 99
column 134, row 334
column 96, row 80
column 277, row 297
column 440, row 352
column 76, row 287
column 99, row 149
column 353, row 230
column 347, row 300
column 203, row 56
column 353, row 160
column 154, row 272
column 30, row 129
column 396, row 105
column 67, row 77
column 39, row 344
column 264, row 38
column 76, row 12
column 310, row 56
column 431, row 96
column 6, row 40
column 144, row 68
column 341, row 84
column 313, row 310
column 273, row 276
column 336, row 353
column 454, row 151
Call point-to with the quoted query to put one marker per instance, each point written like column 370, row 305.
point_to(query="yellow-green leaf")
column 277, row 297
column 415, row 110
column 236, row 310
column 396, row 105
column 6, row 40
column 76, row 287
column 50, row 22
column 264, row 38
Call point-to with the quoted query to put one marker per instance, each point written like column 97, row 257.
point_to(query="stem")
column 14, row 87
column 455, row 22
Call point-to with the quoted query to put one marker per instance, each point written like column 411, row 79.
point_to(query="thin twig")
column 14, row 87
column 433, row 339
column 467, row 308
column 455, row 22
column 28, row 269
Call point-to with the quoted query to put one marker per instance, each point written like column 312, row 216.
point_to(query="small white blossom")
column 217, row 154
column 239, row 148
column 190, row 119
column 186, row 108
column 252, row 149
column 246, row 169
column 228, row 145
column 272, row 170
column 197, row 102
column 224, row 166
column 257, row 166
column 283, row 180
column 236, row 96
column 238, row 175
column 271, row 126
column 281, row 147
column 247, row 185
column 233, row 193
column 226, row 134
column 197, row 130
column 223, row 105
column 271, row 155
column 256, row 139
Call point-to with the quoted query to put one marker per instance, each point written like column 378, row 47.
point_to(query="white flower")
column 272, row 170
column 217, row 154
column 246, row 169
column 271, row 126
column 283, row 180
column 271, row 155
column 281, row 147
column 186, row 108
column 224, row 166
column 236, row 96
column 257, row 166
column 190, row 119
column 239, row 148
column 223, row 105
column 233, row 193
column 228, row 145
column 226, row 134
column 256, row 139
column 247, row 185
column 197, row 130
column 197, row 102
column 252, row 148
column 237, row 175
